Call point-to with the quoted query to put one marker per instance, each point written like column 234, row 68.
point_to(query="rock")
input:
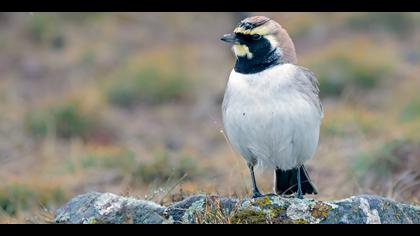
column 109, row 208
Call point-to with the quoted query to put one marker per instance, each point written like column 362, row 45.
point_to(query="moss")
column 249, row 216
column 320, row 211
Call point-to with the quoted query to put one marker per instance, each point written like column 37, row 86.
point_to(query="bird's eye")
column 256, row 37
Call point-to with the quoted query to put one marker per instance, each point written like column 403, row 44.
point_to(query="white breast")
column 267, row 120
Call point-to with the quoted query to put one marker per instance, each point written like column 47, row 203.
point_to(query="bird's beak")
column 230, row 38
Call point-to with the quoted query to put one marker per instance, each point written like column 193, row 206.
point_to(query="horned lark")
column 271, row 109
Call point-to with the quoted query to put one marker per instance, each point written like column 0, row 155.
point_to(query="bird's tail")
column 286, row 182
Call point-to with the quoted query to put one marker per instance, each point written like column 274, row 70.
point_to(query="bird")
column 271, row 108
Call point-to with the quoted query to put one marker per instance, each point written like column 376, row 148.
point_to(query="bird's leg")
column 299, row 193
column 255, row 192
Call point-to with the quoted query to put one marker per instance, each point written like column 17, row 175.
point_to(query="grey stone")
column 95, row 208
column 107, row 208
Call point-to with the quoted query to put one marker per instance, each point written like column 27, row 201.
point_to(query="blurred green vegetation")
column 411, row 111
column 148, row 86
column 64, row 121
column 389, row 168
column 16, row 197
column 88, row 58
column 45, row 30
column 39, row 27
column 163, row 167
column 399, row 23
column 123, row 161
column 352, row 122
column 343, row 70
column 377, row 163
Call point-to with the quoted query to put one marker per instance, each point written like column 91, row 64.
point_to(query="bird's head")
column 256, row 37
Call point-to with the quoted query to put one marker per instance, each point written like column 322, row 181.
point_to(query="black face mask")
column 263, row 55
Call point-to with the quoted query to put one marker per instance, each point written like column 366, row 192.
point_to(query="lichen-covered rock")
column 109, row 208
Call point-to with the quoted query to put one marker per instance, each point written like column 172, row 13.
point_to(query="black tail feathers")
column 286, row 182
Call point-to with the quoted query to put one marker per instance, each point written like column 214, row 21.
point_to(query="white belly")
column 269, row 122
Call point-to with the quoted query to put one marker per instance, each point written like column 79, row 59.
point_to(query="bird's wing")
column 307, row 83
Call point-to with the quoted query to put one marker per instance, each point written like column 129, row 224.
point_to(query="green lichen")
column 300, row 221
column 398, row 216
column 278, row 215
column 263, row 202
column 90, row 221
column 262, row 211
column 277, row 211
column 249, row 216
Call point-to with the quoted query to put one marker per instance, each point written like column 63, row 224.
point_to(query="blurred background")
column 130, row 103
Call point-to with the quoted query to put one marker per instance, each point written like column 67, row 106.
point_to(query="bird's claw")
column 300, row 196
column 256, row 194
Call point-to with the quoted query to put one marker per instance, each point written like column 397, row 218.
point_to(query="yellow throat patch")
column 242, row 50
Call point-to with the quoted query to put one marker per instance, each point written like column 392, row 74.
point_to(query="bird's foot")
column 256, row 194
column 299, row 196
